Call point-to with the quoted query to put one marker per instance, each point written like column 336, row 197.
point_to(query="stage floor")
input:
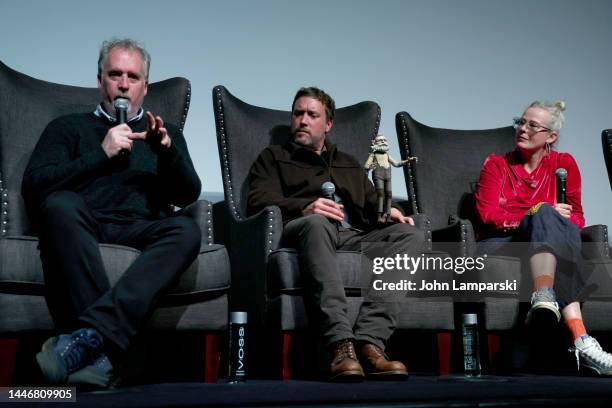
column 417, row 391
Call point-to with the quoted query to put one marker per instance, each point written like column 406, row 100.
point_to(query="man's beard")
column 379, row 148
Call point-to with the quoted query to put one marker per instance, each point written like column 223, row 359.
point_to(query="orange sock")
column 577, row 328
column 543, row 281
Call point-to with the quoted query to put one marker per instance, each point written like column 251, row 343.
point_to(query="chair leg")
column 212, row 357
column 493, row 343
column 444, row 352
column 8, row 356
column 287, row 340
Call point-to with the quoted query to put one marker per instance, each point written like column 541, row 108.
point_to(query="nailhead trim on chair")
column 3, row 208
column 409, row 171
column 209, row 227
column 606, row 247
column 227, row 182
column 187, row 103
column 463, row 239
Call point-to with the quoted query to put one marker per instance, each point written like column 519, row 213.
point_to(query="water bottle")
column 471, row 345
column 237, row 347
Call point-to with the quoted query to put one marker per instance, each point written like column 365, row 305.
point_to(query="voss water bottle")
column 237, row 346
column 471, row 345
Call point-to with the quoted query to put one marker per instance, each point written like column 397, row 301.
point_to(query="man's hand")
column 117, row 139
column 325, row 207
column 156, row 132
column 397, row 216
column 564, row 209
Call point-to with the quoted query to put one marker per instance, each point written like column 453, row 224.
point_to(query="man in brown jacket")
column 291, row 177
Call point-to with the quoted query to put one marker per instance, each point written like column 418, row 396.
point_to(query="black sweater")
column 141, row 185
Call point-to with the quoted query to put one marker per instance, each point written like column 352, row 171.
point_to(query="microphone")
column 328, row 189
column 121, row 109
column 561, row 174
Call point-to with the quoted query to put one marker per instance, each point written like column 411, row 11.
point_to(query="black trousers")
column 546, row 231
column 78, row 289
column 316, row 240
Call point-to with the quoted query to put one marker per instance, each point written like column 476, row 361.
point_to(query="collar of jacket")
column 298, row 151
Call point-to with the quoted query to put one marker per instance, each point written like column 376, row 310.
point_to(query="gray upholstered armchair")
column 266, row 278
column 200, row 299
column 442, row 185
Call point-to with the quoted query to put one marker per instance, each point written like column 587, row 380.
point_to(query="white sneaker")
column 544, row 299
column 590, row 354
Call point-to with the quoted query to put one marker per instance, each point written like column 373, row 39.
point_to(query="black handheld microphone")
column 121, row 109
column 561, row 174
column 328, row 190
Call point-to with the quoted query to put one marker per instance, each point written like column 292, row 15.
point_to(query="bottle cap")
column 470, row 318
column 238, row 317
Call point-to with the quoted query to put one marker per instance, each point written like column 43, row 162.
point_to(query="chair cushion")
column 22, row 288
column 284, row 273
column 502, row 310
column 597, row 296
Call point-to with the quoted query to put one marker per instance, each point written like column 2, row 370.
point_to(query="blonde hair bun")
column 560, row 105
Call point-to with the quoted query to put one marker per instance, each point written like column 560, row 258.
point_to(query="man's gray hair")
column 126, row 44
column 557, row 119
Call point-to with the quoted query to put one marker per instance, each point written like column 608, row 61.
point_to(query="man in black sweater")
column 91, row 180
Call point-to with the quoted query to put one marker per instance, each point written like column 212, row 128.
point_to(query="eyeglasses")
column 531, row 125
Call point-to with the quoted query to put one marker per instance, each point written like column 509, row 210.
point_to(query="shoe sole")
column 50, row 364
column 543, row 314
column 348, row 377
column 594, row 372
column 89, row 376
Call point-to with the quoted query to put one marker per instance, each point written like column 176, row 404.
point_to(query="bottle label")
column 471, row 357
column 237, row 360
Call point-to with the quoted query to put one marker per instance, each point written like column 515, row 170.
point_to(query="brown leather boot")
column 345, row 366
column 377, row 364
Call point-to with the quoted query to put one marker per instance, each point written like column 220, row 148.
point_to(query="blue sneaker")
column 98, row 373
column 63, row 355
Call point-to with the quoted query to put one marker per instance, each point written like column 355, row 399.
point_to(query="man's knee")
column 406, row 232
column 188, row 230
column 313, row 223
column 61, row 206
column 309, row 227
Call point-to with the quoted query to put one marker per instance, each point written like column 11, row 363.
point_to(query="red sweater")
column 506, row 191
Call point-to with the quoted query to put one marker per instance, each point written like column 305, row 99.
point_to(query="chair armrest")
column 201, row 212
column 249, row 242
column 421, row 221
column 458, row 231
column 595, row 241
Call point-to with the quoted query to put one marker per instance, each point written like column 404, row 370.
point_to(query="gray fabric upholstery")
column 200, row 298
column 597, row 306
column 501, row 310
column 449, row 165
column 428, row 313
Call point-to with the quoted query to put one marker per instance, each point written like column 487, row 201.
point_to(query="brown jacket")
column 291, row 176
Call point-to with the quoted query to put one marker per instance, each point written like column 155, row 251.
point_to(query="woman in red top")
column 517, row 202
